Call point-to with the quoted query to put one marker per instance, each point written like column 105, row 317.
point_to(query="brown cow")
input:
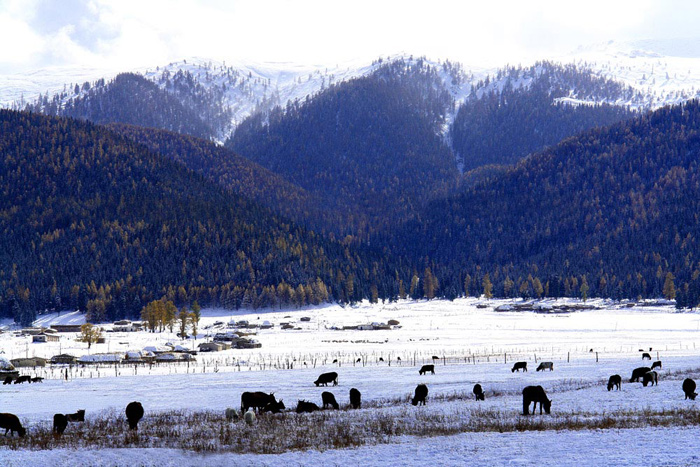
column 11, row 423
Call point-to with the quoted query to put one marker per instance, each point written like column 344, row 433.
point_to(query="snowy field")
column 475, row 344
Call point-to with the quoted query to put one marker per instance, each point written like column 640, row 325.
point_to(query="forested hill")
column 523, row 110
column 371, row 146
column 93, row 221
column 617, row 207
column 182, row 106
column 233, row 172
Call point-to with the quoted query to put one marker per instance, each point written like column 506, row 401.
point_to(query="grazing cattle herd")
column 261, row 402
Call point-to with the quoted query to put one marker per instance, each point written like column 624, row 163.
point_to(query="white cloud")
column 128, row 33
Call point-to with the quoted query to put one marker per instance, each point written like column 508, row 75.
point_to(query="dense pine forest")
column 93, row 221
column 611, row 213
column 235, row 173
column 182, row 105
column 520, row 111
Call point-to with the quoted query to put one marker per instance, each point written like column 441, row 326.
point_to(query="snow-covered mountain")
column 244, row 87
column 666, row 71
column 663, row 72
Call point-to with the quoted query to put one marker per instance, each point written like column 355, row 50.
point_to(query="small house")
column 45, row 337
column 123, row 326
column 210, row 347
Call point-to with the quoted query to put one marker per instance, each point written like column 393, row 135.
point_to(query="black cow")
column 650, row 377
column 60, row 422
column 8, row 380
column 355, row 398
column 426, row 368
column 358, row 360
column 257, row 400
column 37, row 379
column 435, row 357
column 335, row 360
column 646, row 356
column 22, row 379
column 545, row 366
column 307, row 407
column 134, row 413
column 381, row 359
column 11, row 423
column 78, row 416
column 614, row 381
column 639, row 373
column 274, row 407
column 329, row 400
column 535, row 394
column 519, row 366
column 689, row 389
column 478, row 392
column 420, row 395
column 656, row 364
column 326, row 378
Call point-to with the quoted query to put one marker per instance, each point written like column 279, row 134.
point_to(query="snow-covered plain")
column 473, row 345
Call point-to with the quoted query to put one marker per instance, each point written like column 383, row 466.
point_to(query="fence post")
column 567, row 356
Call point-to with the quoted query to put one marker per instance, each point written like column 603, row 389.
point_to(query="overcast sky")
column 129, row 33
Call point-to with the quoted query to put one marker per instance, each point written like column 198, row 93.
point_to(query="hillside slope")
column 615, row 206
column 371, row 146
column 94, row 221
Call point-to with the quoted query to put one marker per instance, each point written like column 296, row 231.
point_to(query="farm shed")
column 101, row 358
column 211, row 347
column 65, row 359
column 66, row 327
column 248, row 344
column 28, row 362
column 175, row 357
column 139, row 356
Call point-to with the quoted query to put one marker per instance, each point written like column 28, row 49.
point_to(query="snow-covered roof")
column 101, row 358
